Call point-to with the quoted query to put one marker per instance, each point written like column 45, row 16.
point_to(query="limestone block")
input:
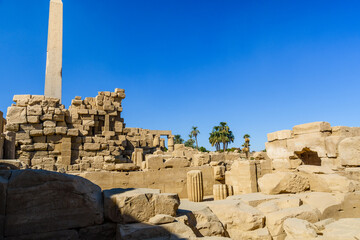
column 328, row 204
column 236, row 215
column 299, row 229
column 154, row 162
column 138, row 205
column 49, row 124
column 311, row 128
column 75, row 202
column 349, row 150
column 242, row 177
column 278, row 149
column 201, row 159
column 332, row 183
column 161, row 219
column 106, row 231
column 331, row 144
column 61, row 130
column 281, row 164
column 258, row 234
column 33, row 119
column 195, row 186
column 12, row 127
column 46, row 117
column 310, row 169
column 201, row 218
column 59, row 117
column 313, row 141
column 320, row 225
column 27, row 148
column 35, row 110
column 16, row 115
column 22, row 99
column 179, row 146
column 220, row 191
column 279, row 135
column 49, row 131
column 126, row 167
column 91, row 146
column 177, row 163
column 283, row 182
column 279, row 204
column 175, row 230
column 219, row 173
column 73, row 132
column 347, row 228
column 275, row 220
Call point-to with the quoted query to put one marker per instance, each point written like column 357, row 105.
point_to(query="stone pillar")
column 65, row 151
column 170, row 143
column 220, row 191
column 230, row 190
column 162, row 143
column 242, row 177
column 53, row 76
column 156, row 142
column 9, row 145
column 138, row 156
column 195, row 187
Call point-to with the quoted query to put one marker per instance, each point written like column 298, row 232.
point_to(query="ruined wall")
column 314, row 143
column 90, row 135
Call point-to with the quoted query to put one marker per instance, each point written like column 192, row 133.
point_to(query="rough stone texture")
column 344, row 229
column 201, row 219
column 278, row 204
column 122, row 205
column 332, row 183
column 176, row 230
column 298, row 229
column 275, row 220
column 65, row 201
column 349, row 151
column 56, row 235
column 283, row 182
column 237, row 216
column 242, row 176
column 279, row 135
column 311, row 128
column 195, row 186
column 161, row 219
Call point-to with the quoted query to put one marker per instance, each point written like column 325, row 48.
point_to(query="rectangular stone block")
column 279, row 135
column 16, row 115
column 312, row 128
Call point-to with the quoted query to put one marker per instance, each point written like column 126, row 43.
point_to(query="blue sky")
column 260, row 66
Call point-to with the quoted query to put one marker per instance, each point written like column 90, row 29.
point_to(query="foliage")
column 190, row 143
column 246, row 145
column 233, row 149
column 194, row 133
column 178, row 139
column 221, row 134
column 202, row 149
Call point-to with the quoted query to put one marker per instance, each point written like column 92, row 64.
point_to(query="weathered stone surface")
column 332, row 183
column 242, row 176
column 312, row 128
column 279, row 135
column 278, row 204
column 177, row 163
column 298, row 229
column 283, row 182
column 274, row 220
column 349, row 151
column 16, row 115
column 201, row 218
column 195, row 185
column 175, row 230
column 344, row 229
column 201, row 159
column 258, row 234
column 314, row 169
column 154, row 161
column 331, row 144
column 278, row 149
column 106, row 231
column 237, row 216
column 161, row 219
column 138, row 205
column 36, row 198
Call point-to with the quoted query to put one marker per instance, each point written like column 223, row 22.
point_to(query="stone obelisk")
column 53, row 76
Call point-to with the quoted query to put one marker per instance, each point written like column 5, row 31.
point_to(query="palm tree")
column 246, row 145
column 214, row 138
column 221, row 134
column 178, row 139
column 194, row 132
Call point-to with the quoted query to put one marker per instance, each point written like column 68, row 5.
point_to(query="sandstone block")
column 73, row 132
column 279, row 135
column 49, row 131
column 299, row 229
column 36, row 133
column 12, row 127
column 161, row 219
column 332, row 183
column 201, row 159
column 33, row 119
column 16, row 115
column 283, row 182
column 312, row 128
column 347, row 228
column 91, row 146
column 349, row 150
column 278, row 150
column 61, row 130
column 279, row 204
column 138, row 205
column 177, row 163
column 36, row 198
column 35, row 110
column 195, row 186
column 154, row 162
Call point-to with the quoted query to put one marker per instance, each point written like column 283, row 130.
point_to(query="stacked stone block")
column 90, row 135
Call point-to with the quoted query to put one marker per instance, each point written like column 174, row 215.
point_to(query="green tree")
column 246, row 145
column 178, row 139
column 214, row 138
column 190, row 143
column 221, row 134
column 194, row 133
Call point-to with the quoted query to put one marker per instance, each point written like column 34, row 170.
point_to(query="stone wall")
column 90, row 135
column 314, row 143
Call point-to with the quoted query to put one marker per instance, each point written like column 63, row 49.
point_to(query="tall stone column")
column 171, row 143
column 195, row 186
column 53, row 76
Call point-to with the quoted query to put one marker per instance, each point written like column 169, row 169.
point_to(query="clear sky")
column 260, row 66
